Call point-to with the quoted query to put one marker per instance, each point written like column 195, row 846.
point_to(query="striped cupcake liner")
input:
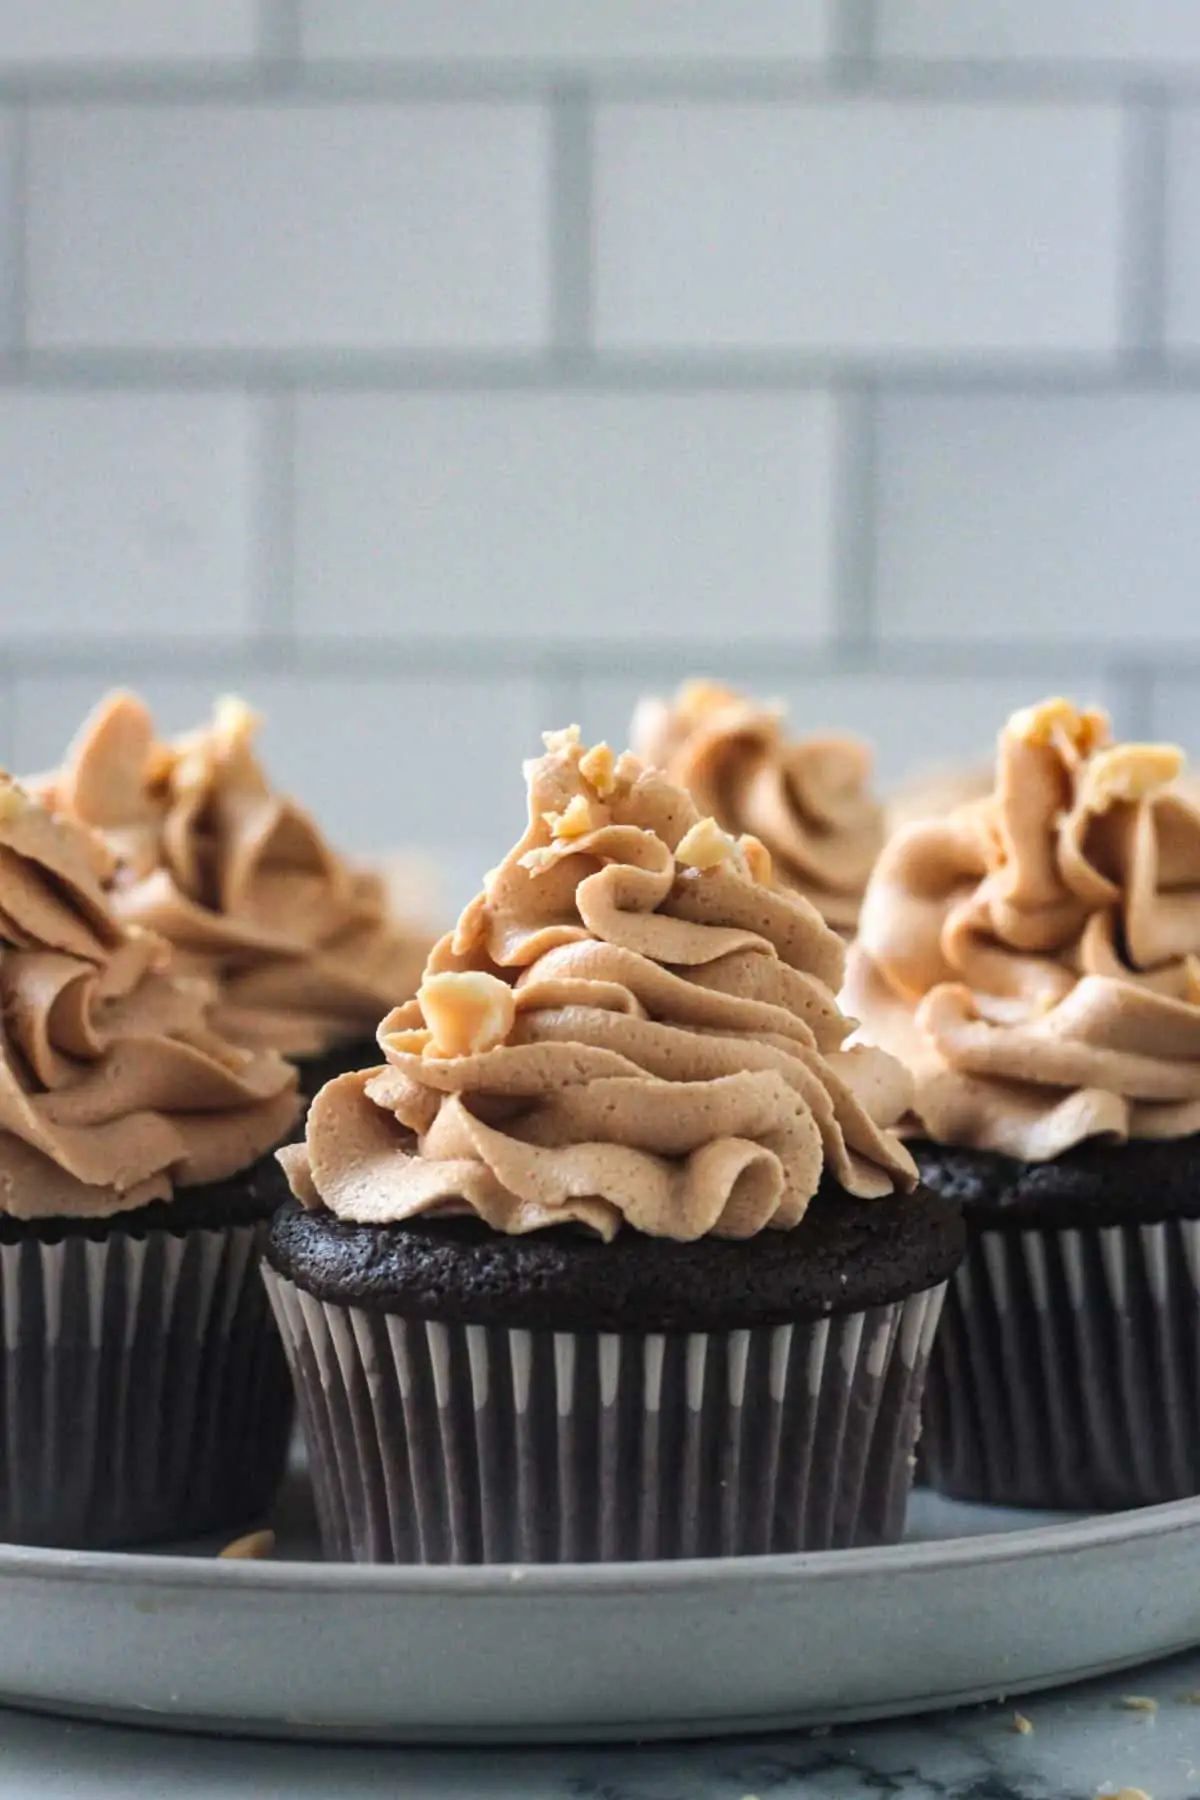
column 143, row 1391
column 451, row 1443
column 1066, row 1372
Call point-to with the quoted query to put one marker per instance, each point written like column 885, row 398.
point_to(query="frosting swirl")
column 1033, row 957
column 238, row 878
column 114, row 1085
column 630, row 1025
column 807, row 799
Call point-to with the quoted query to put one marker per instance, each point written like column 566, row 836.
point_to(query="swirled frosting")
column 114, row 1085
column 807, row 799
column 1033, row 957
column 238, row 878
column 631, row 1024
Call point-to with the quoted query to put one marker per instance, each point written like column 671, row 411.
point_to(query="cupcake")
column 302, row 947
column 616, row 1254
column 143, row 1391
column 808, row 800
column 1034, row 958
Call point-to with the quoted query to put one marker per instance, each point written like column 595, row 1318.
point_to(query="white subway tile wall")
column 581, row 518
column 435, row 372
column 285, row 227
column 859, row 225
column 128, row 518
column 72, row 32
column 580, row 31
column 993, row 507
column 1122, row 31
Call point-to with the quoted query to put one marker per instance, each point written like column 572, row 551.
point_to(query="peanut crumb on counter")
column 1139, row 1703
column 1192, row 1699
column 252, row 1547
column 1021, row 1725
column 1126, row 1793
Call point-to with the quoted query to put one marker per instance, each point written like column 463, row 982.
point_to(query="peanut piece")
column 467, row 1013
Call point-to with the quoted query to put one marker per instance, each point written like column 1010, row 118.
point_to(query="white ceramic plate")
column 975, row 1604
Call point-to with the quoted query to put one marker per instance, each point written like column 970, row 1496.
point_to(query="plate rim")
column 148, row 1569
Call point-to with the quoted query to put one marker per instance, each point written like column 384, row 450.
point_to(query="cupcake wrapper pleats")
column 1066, row 1372
column 450, row 1443
column 143, row 1392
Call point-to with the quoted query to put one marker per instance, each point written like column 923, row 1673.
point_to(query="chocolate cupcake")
column 615, row 1255
column 807, row 799
column 303, row 949
column 1033, row 958
column 143, row 1392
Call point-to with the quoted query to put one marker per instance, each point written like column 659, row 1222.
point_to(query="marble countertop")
column 1085, row 1741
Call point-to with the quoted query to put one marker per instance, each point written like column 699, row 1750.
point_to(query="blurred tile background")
column 434, row 370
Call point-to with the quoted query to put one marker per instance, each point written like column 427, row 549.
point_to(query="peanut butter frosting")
column 1033, row 956
column 807, row 799
column 114, row 1085
column 302, row 947
column 631, row 1025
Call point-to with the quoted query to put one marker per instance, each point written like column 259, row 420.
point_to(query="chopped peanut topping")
column 1128, row 772
column 566, row 739
column 705, row 846
column 1057, row 720
column 756, row 857
column 255, row 1545
column 575, row 822
column 12, row 801
column 233, row 718
column 466, row 1013
column 697, row 698
column 536, row 861
column 597, row 766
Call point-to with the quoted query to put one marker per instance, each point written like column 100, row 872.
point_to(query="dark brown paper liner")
column 1066, row 1371
column 450, row 1443
column 143, row 1391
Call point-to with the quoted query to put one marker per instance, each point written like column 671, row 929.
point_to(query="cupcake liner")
column 143, row 1391
column 1066, row 1372
column 451, row 1443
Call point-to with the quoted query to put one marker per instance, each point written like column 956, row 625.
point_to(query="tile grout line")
column 420, row 370
column 253, row 79
column 851, row 51
column 570, row 221
column 558, row 665
column 274, row 514
column 19, row 279
column 1143, row 227
column 279, row 37
column 854, row 501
